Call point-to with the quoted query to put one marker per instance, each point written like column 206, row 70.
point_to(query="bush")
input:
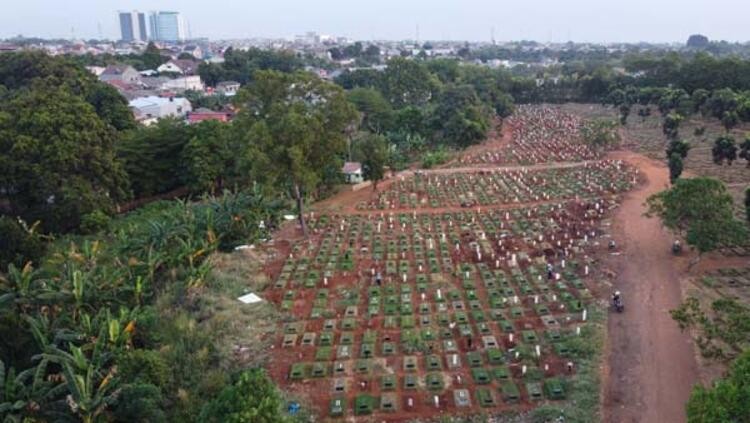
column 252, row 398
column 94, row 222
column 18, row 244
column 434, row 158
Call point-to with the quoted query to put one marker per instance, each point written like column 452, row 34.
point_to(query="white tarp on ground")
column 250, row 298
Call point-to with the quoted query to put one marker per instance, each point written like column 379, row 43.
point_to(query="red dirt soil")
column 651, row 364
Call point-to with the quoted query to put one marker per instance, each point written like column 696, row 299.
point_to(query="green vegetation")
column 701, row 210
column 724, row 332
column 372, row 151
column 59, row 158
column 241, row 65
column 601, row 133
column 435, row 158
column 582, row 390
column 728, row 400
column 137, row 328
column 293, row 125
column 423, row 105
column 724, row 149
column 19, row 243
column 251, row 398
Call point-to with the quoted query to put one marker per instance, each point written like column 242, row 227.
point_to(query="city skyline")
column 471, row 20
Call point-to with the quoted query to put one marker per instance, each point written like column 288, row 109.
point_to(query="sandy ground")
column 651, row 366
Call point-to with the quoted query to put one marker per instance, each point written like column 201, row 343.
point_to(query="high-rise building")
column 167, row 26
column 133, row 26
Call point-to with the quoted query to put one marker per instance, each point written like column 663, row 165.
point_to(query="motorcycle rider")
column 617, row 299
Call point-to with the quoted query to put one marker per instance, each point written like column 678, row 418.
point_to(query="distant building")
column 121, row 73
column 167, row 26
column 194, row 50
column 133, row 26
column 228, row 88
column 353, row 172
column 147, row 109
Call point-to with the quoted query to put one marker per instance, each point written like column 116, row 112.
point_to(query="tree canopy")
column 728, row 400
column 702, row 210
column 294, row 127
column 59, row 162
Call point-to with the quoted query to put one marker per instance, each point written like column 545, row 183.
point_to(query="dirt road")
column 651, row 365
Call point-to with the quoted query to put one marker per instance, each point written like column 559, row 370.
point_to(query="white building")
column 151, row 108
column 183, row 84
column 132, row 26
column 228, row 88
column 167, row 26
column 353, row 172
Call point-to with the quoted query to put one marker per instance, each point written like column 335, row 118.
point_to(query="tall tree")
column 377, row 113
column 745, row 150
column 295, row 130
column 671, row 125
column 679, row 147
column 675, row 167
column 460, row 118
column 372, row 151
column 408, row 82
column 209, row 157
column 152, row 156
column 724, row 149
column 700, row 209
column 58, row 160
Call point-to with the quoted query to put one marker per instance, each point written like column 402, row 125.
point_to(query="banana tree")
column 24, row 289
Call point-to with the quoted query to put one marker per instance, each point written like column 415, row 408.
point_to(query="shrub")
column 434, row 158
column 94, row 222
column 18, row 243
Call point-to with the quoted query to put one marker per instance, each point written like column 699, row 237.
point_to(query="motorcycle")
column 618, row 304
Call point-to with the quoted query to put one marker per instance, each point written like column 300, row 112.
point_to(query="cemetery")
column 406, row 313
column 457, row 291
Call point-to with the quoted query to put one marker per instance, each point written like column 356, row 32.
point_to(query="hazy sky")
column 542, row 20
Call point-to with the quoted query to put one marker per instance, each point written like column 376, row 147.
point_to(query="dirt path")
column 651, row 366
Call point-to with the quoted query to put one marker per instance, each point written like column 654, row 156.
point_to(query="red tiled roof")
column 351, row 167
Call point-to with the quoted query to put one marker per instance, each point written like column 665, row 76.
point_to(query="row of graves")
column 489, row 188
column 539, row 135
column 405, row 314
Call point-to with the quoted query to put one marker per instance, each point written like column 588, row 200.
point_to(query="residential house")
column 184, row 83
column 148, row 109
column 228, row 88
column 96, row 70
column 353, row 172
column 182, row 67
column 122, row 73
column 193, row 50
